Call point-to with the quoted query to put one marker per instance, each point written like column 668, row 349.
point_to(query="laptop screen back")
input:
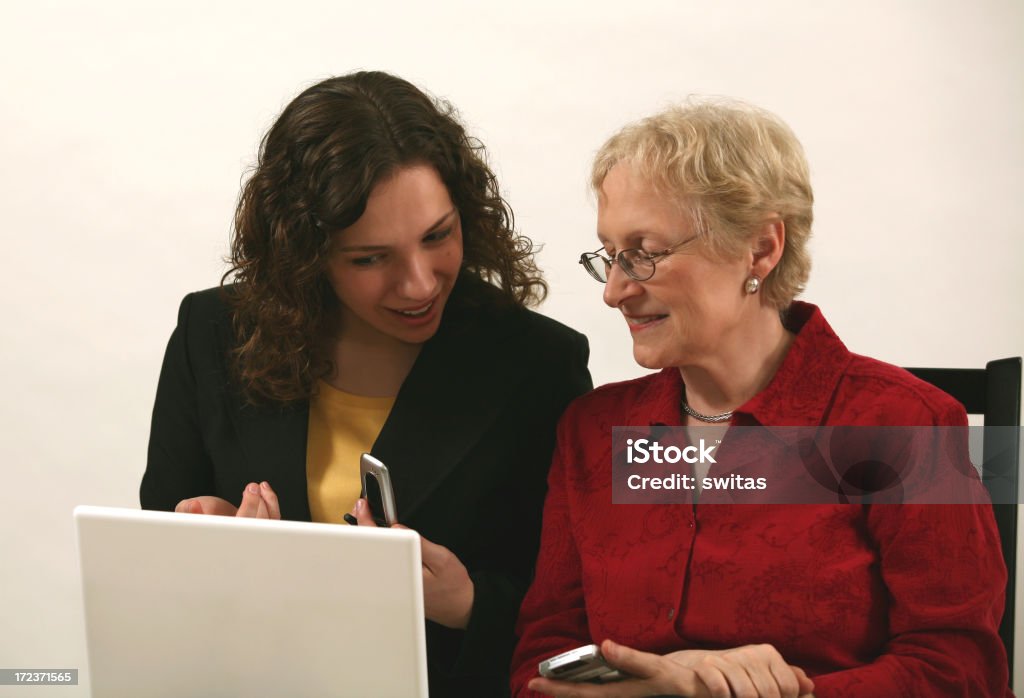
column 179, row 604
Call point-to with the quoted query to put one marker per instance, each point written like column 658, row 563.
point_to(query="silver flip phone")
column 377, row 489
column 581, row 664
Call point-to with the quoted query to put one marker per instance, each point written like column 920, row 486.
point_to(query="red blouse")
column 883, row 600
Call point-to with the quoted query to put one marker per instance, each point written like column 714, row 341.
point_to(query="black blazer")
column 468, row 444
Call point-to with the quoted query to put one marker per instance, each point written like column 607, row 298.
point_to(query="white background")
column 126, row 130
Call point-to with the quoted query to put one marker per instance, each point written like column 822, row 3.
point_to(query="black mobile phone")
column 377, row 490
column 581, row 664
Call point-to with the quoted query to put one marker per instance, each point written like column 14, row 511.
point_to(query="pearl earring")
column 753, row 283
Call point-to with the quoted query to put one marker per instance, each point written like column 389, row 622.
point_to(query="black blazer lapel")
column 446, row 404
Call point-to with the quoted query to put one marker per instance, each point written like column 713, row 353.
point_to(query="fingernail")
column 252, row 488
column 351, row 520
column 359, row 505
column 265, row 485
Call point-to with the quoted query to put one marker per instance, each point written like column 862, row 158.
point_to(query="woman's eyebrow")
column 376, row 248
column 442, row 219
column 633, row 237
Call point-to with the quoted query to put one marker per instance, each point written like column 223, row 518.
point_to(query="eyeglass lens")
column 635, row 263
column 596, row 266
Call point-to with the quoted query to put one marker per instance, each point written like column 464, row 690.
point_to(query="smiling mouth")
column 416, row 312
column 641, row 320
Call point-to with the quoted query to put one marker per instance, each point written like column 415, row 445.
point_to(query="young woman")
column 377, row 305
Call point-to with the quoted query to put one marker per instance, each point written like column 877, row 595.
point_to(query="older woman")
column 704, row 214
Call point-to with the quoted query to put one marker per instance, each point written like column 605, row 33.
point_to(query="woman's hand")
column 755, row 671
column 751, row 670
column 447, row 589
column 258, row 501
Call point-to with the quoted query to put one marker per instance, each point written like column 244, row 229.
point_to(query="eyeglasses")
column 637, row 264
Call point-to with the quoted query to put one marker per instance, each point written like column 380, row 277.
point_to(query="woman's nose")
column 620, row 287
column 418, row 282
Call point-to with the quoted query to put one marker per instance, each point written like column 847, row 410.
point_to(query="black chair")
column 993, row 391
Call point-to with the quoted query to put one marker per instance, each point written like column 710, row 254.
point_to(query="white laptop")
column 192, row 605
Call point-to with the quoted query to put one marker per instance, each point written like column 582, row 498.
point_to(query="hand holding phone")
column 581, row 664
column 377, row 490
column 448, row 591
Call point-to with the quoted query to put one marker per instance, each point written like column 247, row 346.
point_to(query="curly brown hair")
column 317, row 166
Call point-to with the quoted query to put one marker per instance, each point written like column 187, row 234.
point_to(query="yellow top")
column 342, row 426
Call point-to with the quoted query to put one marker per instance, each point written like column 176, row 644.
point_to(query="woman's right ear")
column 769, row 244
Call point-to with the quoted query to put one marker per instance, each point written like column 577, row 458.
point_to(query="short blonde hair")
column 730, row 167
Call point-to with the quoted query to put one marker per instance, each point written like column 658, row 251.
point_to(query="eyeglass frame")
column 586, row 259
